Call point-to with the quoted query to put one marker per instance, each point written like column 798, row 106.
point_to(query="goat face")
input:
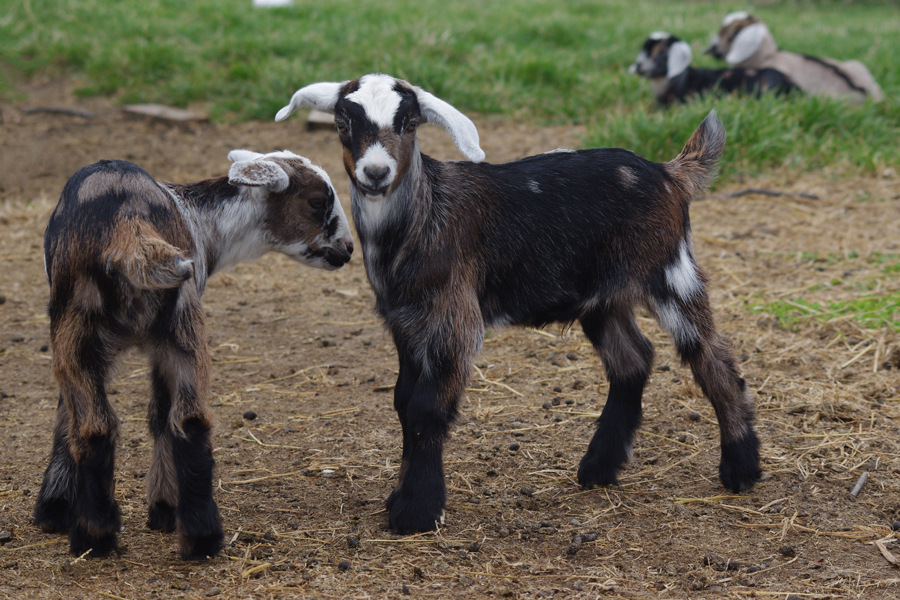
column 376, row 117
column 301, row 214
column 739, row 37
column 663, row 55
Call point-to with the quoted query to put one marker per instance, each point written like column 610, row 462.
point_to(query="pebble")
column 895, row 526
column 405, row 590
column 546, row 406
column 787, row 551
column 5, row 537
column 344, row 565
column 527, row 491
column 249, row 415
column 572, row 356
column 752, row 569
column 557, row 389
column 44, row 348
column 694, row 416
column 213, row 591
column 514, row 446
column 559, row 418
column 556, row 401
column 352, row 541
column 570, row 401
column 575, row 523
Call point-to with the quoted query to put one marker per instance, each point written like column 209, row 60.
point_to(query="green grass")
column 538, row 60
column 871, row 282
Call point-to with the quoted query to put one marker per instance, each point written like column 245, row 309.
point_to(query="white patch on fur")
column 682, row 275
column 746, row 43
column 377, row 96
column 627, row 176
column 534, row 186
column 376, row 155
column 239, row 231
column 670, row 318
column 735, row 16
column 561, row 151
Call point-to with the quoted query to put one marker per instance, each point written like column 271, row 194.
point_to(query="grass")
column 528, row 60
column 867, row 292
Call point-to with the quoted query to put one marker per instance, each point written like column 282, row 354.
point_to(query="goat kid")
column 451, row 248
column 745, row 41
column 127, row 258
column 666, row 61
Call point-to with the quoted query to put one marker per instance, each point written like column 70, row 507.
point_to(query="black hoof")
column 406, row 516
column 201, row 547
column 81, row 542
column 52, row 516
column 739, row 468
column 161, row 517
column 594, row 472
column 200, row 533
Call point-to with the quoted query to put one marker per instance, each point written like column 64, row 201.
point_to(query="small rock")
column 514, row 446
column 575, row 523
column 577, row 586
column 557, row 389
column 466, row 580
column 787, row 551
column 5, row 537
column 546, row 523
column 694, row 416
column 559, row 418
column 572, row 356
column 249, row 415
column 570, row 401
column 213, row 591
column 505, row 592
column 527, row 491
column 546, row 406
column 752, row 569
column 895, row 526
column 344, row 565
column 405, row 590
column 556, row 401
column 44, row 348
column 352, row 542
column 588, row 537
column 793, row 597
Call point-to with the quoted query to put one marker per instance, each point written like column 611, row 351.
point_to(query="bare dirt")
column 301, row 487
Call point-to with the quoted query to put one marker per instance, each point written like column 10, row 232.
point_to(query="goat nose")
column 348, row 244
column 376, row 172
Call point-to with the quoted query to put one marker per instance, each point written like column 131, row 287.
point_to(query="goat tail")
column 137, row 252
column 698, row 163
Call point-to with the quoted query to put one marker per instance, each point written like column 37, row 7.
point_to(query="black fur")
column 200, row 529
column 95, row 512
column 739, row 468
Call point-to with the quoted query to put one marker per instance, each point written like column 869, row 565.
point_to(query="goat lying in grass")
column 666, row 61
column 127, row 258
column 745, row 41
column 453, row 247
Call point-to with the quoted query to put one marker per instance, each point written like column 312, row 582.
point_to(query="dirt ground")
column 301, row 487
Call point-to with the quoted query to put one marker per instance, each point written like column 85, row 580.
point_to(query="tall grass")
column 540, row 60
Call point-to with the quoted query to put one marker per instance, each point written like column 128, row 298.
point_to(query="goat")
column 127, row 259
column 451, row 248
column 666, row 61
column 745, row 41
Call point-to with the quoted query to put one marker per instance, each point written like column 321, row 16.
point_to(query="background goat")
column 127, row 258
column 453, row 247
column 666, row 61
column 745, row 41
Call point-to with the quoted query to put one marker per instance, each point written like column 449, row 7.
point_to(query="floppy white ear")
column 679, row 59
column 258, row 173
column 461, row 128
column 238, row 155
column 746, row 43
column 321, row 96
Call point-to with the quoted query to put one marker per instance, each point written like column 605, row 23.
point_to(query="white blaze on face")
column 377, row 96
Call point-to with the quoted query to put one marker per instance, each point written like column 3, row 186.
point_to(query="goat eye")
column 342, row 127
column 411, row 125
column 317, row 203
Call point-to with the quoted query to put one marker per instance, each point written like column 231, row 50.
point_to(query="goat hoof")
column 161, row 517
column 52, row 516
column 594, row 473
column 739, row 468
column 201, row 547
column 406, row 517
column 81, row 542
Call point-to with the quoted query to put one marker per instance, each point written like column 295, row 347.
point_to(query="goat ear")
column 679, row 59
column 238, row 155
column 258, row 173
column 321, row 96
column 746, row 43
column 461, row 128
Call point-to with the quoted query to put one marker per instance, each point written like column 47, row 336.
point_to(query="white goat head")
column 662, row 55
column 302, row 216
column 740, row 36
column 377, row 117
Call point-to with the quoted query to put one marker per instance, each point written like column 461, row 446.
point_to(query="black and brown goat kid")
column 127, row 258
column 453, row 247
column 665, row 60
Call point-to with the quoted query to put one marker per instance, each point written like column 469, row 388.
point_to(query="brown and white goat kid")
column 127, row 258
column 453, row 247
column 745, row 41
